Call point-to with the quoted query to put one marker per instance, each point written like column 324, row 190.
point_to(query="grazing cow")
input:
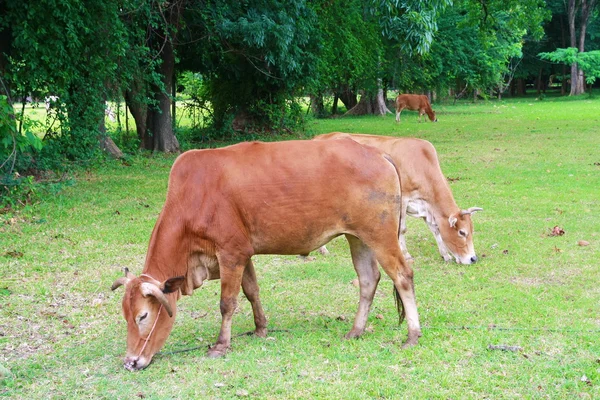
column 425, row 194
column 414, row 102
column 225, row 205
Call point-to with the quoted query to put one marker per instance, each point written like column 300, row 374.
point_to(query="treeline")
column 245, row 64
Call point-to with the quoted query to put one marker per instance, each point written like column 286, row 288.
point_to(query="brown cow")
column 425, row 194
column 225, row 205
column 414, row 102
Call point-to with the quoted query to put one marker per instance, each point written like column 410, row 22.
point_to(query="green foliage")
column 83, row 55
column 477, row 44
column 351, row 48
column 12, row 143
column 588, row 61
column 256, row 57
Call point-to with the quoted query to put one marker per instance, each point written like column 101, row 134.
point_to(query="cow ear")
column 452, row 221
column 172, row 284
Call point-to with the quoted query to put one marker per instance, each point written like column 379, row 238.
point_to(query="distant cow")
column 425, row 194
column 414, row 102
column 225, row 205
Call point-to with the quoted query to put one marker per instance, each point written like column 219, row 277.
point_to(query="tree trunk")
column 539, row 83
column 365, row 106
column 138, row 111
column 348, row 98
column 317, row 106
column 369, row 104
column 334, row 107
column 572, row 12
column 159, row 135
column 381, row 105
column 106, row 143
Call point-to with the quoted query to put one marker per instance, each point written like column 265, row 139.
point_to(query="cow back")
column 284, row 197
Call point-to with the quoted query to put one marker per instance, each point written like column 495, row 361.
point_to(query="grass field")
column 532, row 165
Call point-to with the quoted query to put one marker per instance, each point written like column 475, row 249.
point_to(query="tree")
column 254, row 58
column 412, row 24
column 588, row 62
column 73, row 55
column 158, row 134
column 585, row 9
column 478, row 46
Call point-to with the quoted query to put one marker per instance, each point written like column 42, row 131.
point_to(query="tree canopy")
column 252, row 64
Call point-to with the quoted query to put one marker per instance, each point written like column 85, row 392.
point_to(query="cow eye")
column 142, row 317
column 462, row 233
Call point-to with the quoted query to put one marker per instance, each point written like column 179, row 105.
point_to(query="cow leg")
column 402, row 233
column 251, row 291
column 323, row 251
column 398, row 111
column 401, row 273
column 365, row 265
column 231, row 282
column 444, row 252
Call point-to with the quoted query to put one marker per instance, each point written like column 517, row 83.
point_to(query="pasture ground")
column 532, row 165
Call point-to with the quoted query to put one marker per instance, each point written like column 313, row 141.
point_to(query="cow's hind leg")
column 393, row 263
column 232, row 272
column 251, row 290
column 365, row 265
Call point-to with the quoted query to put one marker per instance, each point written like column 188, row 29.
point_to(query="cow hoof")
column 353, row 334
column 413, row 339
column 216, row 352
column 262, row 332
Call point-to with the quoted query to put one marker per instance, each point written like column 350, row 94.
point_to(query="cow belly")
column 299, row 223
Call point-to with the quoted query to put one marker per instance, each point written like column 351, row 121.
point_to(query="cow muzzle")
column 135, row 363
column 467, row 259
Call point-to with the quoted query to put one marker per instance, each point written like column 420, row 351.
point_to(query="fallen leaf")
column 557, row 250
column 379, row 316
column 14, row 254
column 505, row 252
column 583, row 243
column 355, row 282
column 504, row 347
column 341, row 318
column 242, row 393
column 557, row 231
column 219, row 384
column 586, row 379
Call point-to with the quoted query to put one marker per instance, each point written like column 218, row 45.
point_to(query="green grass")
column 530, row 164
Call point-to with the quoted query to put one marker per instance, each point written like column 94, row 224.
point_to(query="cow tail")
column 397, row 298
column 399, row 306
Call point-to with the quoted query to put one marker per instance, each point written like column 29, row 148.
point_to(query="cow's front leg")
column 402, row 233
column 231, row 281
column 444, row 252
column 251, row 290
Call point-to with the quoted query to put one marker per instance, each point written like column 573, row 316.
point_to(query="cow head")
column 149, row 307
column 457, row 234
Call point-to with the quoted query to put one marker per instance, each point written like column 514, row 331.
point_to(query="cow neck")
column 444, row 204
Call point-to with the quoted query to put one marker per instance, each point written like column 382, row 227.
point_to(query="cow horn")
column 122, row 281
column 128, row 274
column 149, row 289
column 470, row 210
